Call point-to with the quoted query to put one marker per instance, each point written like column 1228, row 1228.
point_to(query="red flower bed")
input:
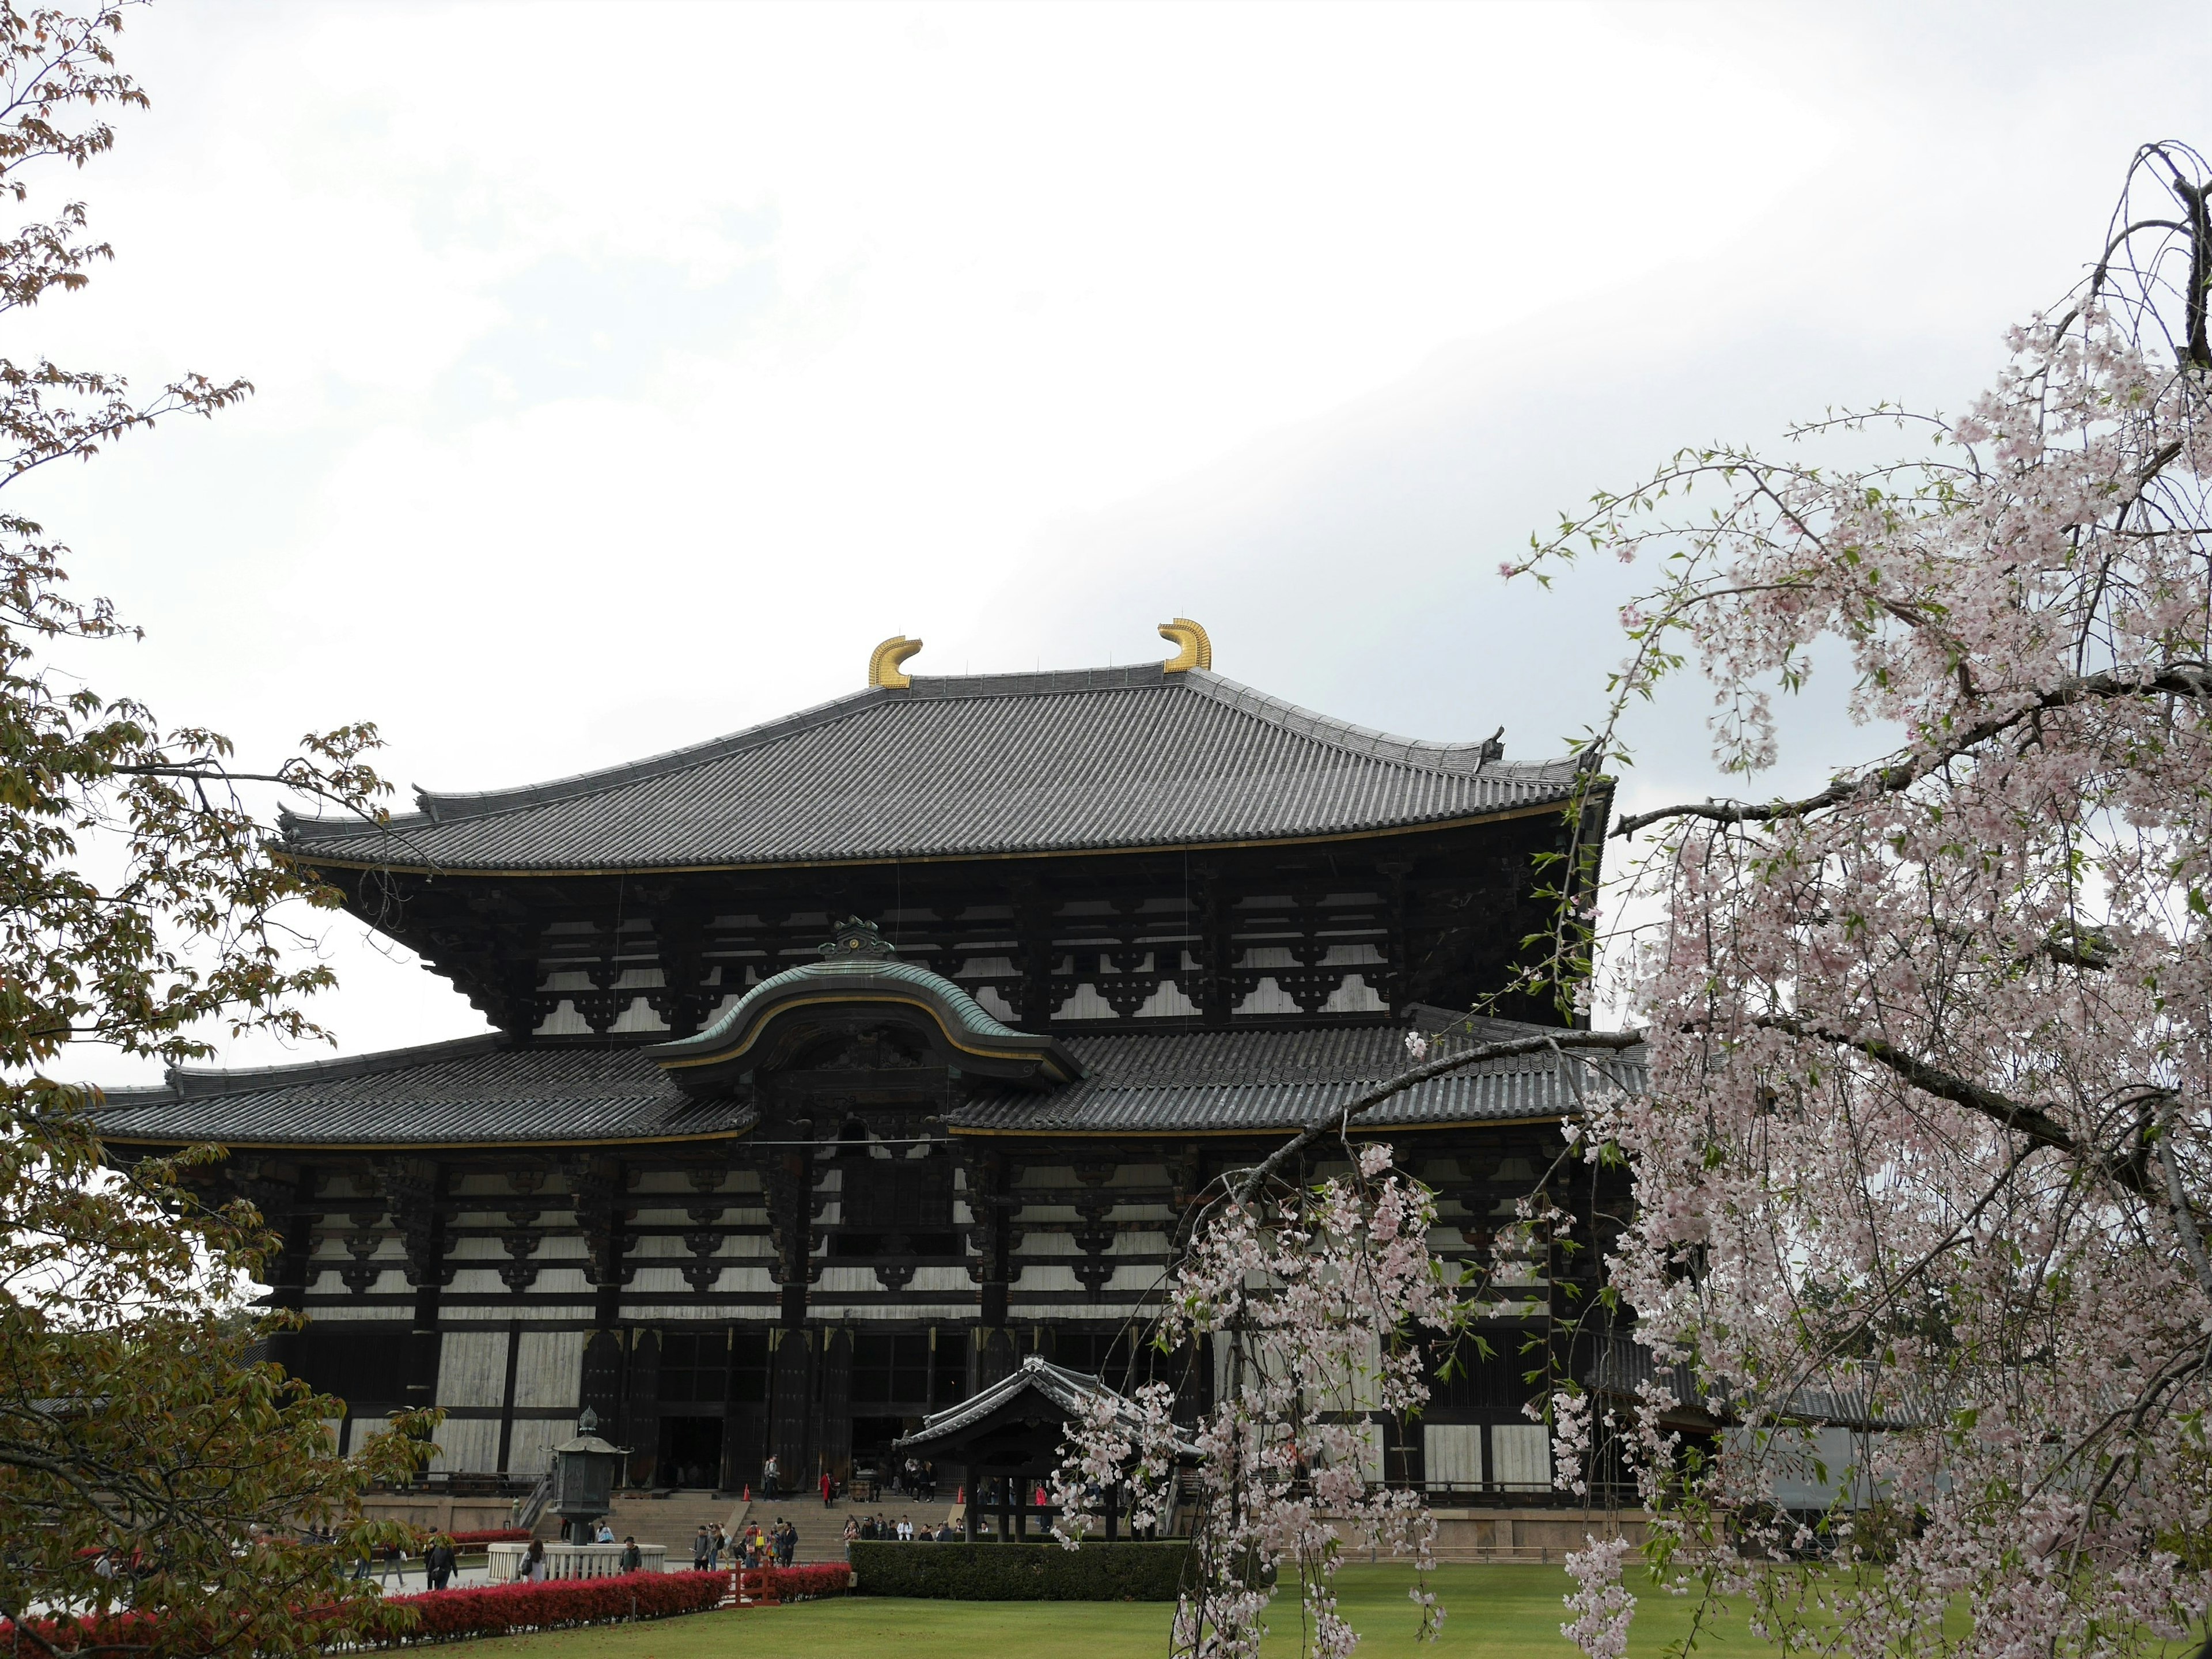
column 804, row 1584
column 490, row 1535
column 496, row 1609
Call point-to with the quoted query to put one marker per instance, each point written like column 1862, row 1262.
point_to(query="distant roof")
column 992, row 765
column 477, row 1091
column 487, row 1091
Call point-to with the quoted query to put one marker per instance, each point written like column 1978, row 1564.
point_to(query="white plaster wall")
column 548, row 1369
column 472, row 1371
column 467, row 1443
column 529, row 1448
column 1521, row 1456
column 1451, row 1453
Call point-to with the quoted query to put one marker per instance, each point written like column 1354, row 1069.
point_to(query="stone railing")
column 572, row 1560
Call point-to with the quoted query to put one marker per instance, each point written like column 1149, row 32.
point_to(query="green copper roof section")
column 858, row 968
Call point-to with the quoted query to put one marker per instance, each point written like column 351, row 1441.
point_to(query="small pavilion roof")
column 977, row 766
column 1036, row 1386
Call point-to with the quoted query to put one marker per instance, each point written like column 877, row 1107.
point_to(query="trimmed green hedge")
column 1099, row 1571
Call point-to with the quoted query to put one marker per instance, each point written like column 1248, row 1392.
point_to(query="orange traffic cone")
column 748, row 1491
column 962, row 1497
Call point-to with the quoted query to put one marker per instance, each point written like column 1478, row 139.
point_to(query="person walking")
column 533, row 1563
column 771, row 1475
column 851, row 1536
column 722, row 1547
column 702, row 1546
column 633, row 1559
column 789, row 1552
column 439, row 1562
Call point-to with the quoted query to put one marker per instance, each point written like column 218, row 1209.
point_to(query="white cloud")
column 625, row 372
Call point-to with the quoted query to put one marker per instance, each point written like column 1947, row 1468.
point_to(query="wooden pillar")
column 288, row 1282
column 506, row 1393
column 833, row 1437
column 790, row 1394
column 642, row 1417
column 413, row 1190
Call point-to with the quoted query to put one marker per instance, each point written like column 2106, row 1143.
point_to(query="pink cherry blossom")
column 1925, row 1170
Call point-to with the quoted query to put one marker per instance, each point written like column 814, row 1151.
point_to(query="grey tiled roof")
column 484, row 1090
column 473, row 1091
column 1201, row 1081
column 994, row 763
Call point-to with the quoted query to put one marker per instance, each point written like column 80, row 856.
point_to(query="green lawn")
column 1491, row 1612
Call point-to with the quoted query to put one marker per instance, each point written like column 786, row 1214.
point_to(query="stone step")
column 671, row 1522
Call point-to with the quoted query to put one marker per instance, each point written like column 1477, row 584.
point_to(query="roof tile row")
column 997, row 764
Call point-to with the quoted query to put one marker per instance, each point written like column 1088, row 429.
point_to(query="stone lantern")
column 584, row 1478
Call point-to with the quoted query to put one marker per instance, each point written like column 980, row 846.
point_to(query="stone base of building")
column 1541, row 1536
column 435, row 1512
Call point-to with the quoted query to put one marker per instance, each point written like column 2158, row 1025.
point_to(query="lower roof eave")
column 1257, row 1132
column 509, row 1143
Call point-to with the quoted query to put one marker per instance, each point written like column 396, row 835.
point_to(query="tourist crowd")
column 754, row 1546
column 871, row 1528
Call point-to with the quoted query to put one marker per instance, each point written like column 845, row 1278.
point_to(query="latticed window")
column 888, row 1371
column 694, row 1366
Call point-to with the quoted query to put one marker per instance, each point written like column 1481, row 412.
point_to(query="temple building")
column 841, row 1064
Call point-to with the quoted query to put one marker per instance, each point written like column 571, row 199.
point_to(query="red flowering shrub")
column 496, row 1609
column 481, row 1609
column 804, row 1584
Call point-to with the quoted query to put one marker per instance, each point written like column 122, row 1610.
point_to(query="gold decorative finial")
column 884, row 662
column 1197, row 650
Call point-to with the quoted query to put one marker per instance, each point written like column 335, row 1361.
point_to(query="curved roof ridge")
column 973, row 1014
column 1426, row 752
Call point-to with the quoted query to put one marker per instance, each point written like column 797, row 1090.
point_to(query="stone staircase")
column 822, row 1526
column 669, row 1522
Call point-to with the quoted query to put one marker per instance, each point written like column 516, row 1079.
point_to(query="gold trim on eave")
column 883, row 662
column 1197, row 650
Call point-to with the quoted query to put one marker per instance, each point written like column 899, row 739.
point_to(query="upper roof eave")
column 1306, row 777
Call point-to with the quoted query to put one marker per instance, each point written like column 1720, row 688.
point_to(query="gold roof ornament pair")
column 1194, row 651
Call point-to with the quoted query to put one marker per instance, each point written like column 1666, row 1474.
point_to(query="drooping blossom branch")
column 1925, row 1170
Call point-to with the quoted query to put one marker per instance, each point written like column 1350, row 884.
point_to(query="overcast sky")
column 624, row 373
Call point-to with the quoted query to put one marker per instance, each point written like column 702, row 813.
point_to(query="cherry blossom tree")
column 1926, row 1158
column 1308, row 1283
column 1928, row 1147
